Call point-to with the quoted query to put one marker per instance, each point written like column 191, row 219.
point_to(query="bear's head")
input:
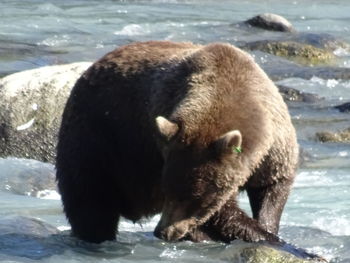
column 197, row 178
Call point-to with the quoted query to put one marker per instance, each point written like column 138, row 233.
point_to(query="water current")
column 36, row 33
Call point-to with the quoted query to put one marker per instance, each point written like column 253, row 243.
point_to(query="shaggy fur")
column 152, row 127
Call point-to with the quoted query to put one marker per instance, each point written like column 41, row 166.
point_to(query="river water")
column 36, row 33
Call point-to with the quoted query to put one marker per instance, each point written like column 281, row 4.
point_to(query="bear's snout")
column 170, row 233
column 175, row 223
column 174, row 232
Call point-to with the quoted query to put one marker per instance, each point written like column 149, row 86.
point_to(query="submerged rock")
column 319, row 40
column 267, row 254
column 339, row 136
column 301, row 53
column 279, row 68
column 271, row 22
column 29, row 239
column 291, row 94
column 21, row 225
column 31, row 105
column 243, row 252
column 343, row 107
column 27, row 177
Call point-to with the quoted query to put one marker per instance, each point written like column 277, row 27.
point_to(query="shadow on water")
column 33, row 239
column 36, row 247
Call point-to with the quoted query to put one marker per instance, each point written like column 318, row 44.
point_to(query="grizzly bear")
column 178, row 129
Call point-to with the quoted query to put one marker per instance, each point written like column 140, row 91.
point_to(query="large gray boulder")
column 31, row 106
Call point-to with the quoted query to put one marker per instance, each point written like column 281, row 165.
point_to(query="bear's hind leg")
column 87, row 181
column 93, row 221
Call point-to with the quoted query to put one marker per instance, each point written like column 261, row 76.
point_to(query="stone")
column 31, row 107
column 338, row 136
column 21, row 225
column 320, row 40
column 271, row 22
column 27, row 177
column 250, row 253
column 279, row 68
column 291, row 94
column 345, row 107
column 303, row 54
column 267, row 254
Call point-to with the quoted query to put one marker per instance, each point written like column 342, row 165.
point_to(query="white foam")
column 341, row 52
column 336, row 225
column 331, row 83
column 132, row 30
column 48, row 195
column 172, row 253
column 56, row 40
column 328, row 88
column 343, row 154
column 314, row 178
column 327, row 253
column 63, row 228
column 143, row 225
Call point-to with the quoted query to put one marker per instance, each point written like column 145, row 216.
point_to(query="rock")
column 27, row 177
column 271, row 22
column 324, row 73
column 267, row 254
column 251, row 253
column 290, row 94
column 298, row 52
column 31, row 105
column 340, row 136
column 320, row 40
column 343, row 107
column 279, row 68
column 28, row 239
column 21, row 225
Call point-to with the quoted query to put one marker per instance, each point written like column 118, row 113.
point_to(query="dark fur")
column 114, row 159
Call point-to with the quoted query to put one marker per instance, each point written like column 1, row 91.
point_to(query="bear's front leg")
column 267, row 203
column 231, row 223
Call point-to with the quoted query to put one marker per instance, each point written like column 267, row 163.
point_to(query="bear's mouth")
column 175, row 222
column 177, row 231
column 183, row 220
column 182, row 231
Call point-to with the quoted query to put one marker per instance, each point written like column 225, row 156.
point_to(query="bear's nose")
column 165, row 234
column 170, row 233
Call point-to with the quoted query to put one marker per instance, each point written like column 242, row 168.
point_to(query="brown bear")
column 180, row 129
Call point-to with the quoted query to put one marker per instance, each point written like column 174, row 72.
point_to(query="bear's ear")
column 166, row 128
column 230, row 142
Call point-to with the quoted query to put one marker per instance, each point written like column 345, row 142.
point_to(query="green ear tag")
column 237, row 149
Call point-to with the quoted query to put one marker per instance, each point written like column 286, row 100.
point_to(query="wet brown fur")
column 112, row 161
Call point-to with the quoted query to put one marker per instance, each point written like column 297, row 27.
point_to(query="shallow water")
column 35, row 33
